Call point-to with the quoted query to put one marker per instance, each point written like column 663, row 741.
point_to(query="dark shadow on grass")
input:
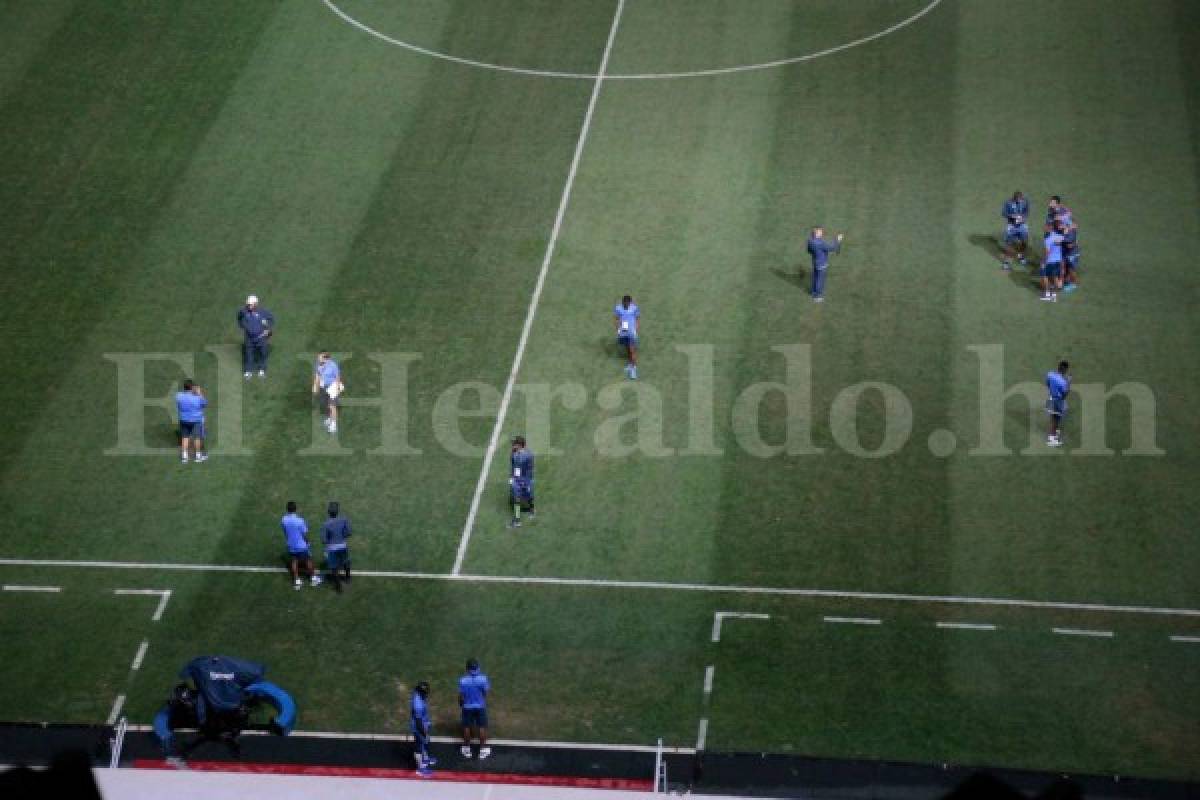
column 1023, row 277
column 797, row 277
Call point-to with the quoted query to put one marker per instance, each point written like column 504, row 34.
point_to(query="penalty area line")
column 666, row 586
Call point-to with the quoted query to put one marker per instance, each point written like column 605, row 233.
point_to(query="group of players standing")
column 1060, row 265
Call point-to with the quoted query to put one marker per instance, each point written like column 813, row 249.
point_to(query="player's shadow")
column 1023, row 277
column 797, row 277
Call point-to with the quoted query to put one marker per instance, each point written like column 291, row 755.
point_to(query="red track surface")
column 626, row 784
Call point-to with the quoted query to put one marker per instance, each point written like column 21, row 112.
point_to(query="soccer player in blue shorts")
column 1071, row 257
column 520, row 482
column 421, row 725
column 628, row 317
column 191, row 403
column 295, row 533
column 1016, row 229
column 473, row 690
column 1051, row 273
column 1058, row 384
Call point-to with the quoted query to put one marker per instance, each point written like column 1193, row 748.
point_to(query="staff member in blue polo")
column 257, row 325
column 473, row 690
column 820, row 249
column 191, row 403
column 295, row 533
column 336, row 534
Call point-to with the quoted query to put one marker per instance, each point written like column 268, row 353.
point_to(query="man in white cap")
column 257, row 324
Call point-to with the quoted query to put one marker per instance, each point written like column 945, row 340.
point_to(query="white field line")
column 1190, row 639
column 721, row 616
column 164, row 595
column 709, row 672
column 141, row 654
column 563, row 202
column 540, row 73
column 1083, row 632
column 115, row 714
column 967, row 626
column 853, row 620
column 701, row 734
column 12, row 587
column 403, row 737
column 667, row 586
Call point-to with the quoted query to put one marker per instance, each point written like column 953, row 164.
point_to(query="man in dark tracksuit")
column 820, row 249
column 257, row 324
column 336, row 534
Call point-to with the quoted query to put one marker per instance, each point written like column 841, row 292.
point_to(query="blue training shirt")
column 328, row 373
column 820, row 249
column 1057, row 384
column 1054, row 243
column 420, row 713
column 294, row 530
column 473, row 688
column 255, row 323
column 627, row 318
column 191, row 406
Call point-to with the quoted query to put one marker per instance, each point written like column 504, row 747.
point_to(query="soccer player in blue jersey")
column 1071, row 257
column 1016, row 229
column 1058, row 384
column 327, row 381
column 295, row 533
column 520, row 482
column 191, row 403
column 421, row 725
column 820, row 249
column 1051, row 273
column 473, row 691
column 628, row 317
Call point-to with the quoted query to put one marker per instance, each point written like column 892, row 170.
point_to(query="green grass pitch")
column 161, row 161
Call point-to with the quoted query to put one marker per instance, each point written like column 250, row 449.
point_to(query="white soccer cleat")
column 484, row 752
column 246, row 375
column 298, row 585
column 262, row 373
column 201, row 457
column 465, row 750
column 316, row 580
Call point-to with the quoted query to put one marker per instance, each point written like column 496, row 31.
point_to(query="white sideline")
column 967, row 626
column 1083, row 632
column 10, row 587
column 533, row 580
column 537, row 294
column 853, row 620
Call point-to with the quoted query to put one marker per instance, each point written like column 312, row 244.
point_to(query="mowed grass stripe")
column 102, row 124
column 24, row 31
column 704, row 222
column 1058, row 526
column 270, row 203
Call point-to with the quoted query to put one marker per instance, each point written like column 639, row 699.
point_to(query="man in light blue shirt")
column 327, row 382
column 1051, row 272
column 473, row 689
column 295, row 534
column 1058, row 385
column 421, row 725
column 628, row 317
column 820, row 249
column 191, row 403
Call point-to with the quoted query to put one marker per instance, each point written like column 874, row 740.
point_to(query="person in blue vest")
column 257, row 326
column 1016, row 229
column 820, row 249
column 473, row 689
column 520, row 482
column 191, row 403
